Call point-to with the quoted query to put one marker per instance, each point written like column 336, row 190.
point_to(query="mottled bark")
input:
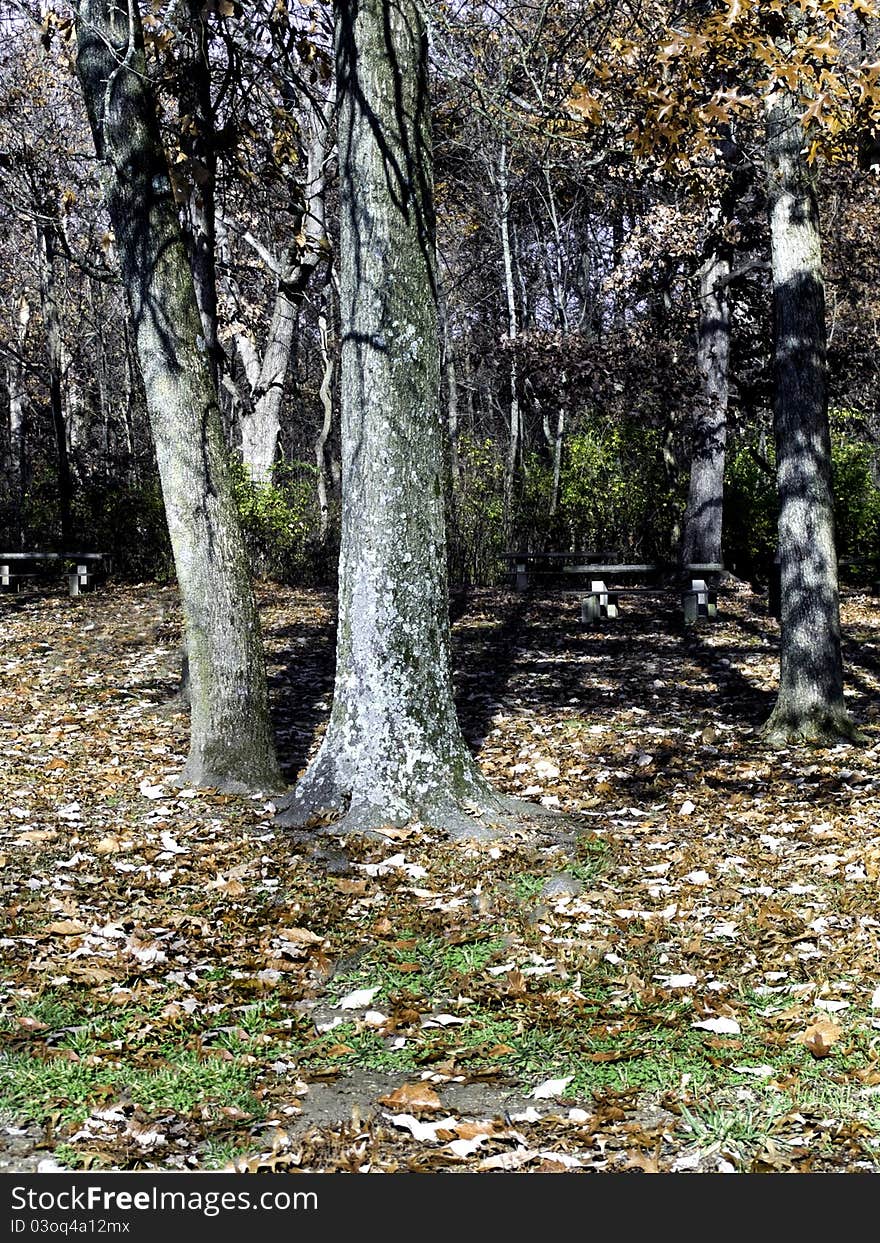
column 231, row 742
column 198, row 171
column 810, row 701
column 514, row 443
column 393, row 752
column 701, row 538
column 328, row 366
column 15, row 387
column 54, row 371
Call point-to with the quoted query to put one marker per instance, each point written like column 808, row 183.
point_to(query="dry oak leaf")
column 66, row 928
column 820, row 1036
column 299, row 936
column 413, row 1098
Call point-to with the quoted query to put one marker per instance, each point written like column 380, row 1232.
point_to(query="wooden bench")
column 85, row 569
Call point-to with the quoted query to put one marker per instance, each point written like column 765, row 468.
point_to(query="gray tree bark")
column 15, row 386
column 810, row 702
column 701, row 538
column 514, row 444
column 231, row 743
column 54, row 371
column 393, row 752
column 198, row 144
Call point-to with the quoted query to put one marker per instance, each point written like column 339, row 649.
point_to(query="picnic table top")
column 550, row 556
column 610, row 569
column 707, row 567
column 52, row 556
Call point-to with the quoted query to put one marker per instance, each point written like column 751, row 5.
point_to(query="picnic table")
column 697, row 598
column 85, row 568
column 521, row 562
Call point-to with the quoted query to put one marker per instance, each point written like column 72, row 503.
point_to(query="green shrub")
column 280, row 522
column 750, row 511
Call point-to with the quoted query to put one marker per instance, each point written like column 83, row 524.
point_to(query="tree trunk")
column 701, row 541
column 55, row 367
column 230, row 735
column 450, row 371
column 15, row 385
column 558, row 439
column 198, row 145
column 326, row 395
column 514, row 444
column 810, row 701
column 393, row 752
column 261, row 424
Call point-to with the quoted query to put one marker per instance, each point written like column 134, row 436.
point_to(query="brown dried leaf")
column 412, row 1098
column 66, row 928
column 820, row 1036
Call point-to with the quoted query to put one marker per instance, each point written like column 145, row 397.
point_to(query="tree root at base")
column 489, row 819
column 821, row 728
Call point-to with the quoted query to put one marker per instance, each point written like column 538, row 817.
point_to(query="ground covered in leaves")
column 693, row 985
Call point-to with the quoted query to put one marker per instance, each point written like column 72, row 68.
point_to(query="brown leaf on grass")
column 66, row 928
column 646, row 1162
column 516, row 983
column 299, row 936
column 412, row 1098
column 108, row 845
column 29, row 1024
column 354, row 887
column 613, row 1055
column 820, row 1036
column 868, row 1075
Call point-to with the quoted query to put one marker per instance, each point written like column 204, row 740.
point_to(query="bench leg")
column 79, row 579
column 690, row 605
column 590, row 608
column 521, row 581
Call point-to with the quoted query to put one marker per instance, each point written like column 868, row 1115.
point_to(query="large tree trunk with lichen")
column 701, row 538
column 393, row 752
column 231, row 742
column 810, row 701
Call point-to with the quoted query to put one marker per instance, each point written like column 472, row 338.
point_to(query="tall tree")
column 810, row 701
column 230, row 736
column 701, row 536
column 393, row 751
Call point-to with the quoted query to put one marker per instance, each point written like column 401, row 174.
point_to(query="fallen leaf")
column 29, row 1024
column 413, row 1098
column 66, row 928
column 820, row 1036
column 299, row 936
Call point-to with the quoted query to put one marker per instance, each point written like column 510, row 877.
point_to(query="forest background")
column 594, row 165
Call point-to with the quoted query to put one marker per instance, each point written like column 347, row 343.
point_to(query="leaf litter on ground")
column 692, row 986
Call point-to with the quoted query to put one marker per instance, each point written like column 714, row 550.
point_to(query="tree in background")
column 231, row 743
